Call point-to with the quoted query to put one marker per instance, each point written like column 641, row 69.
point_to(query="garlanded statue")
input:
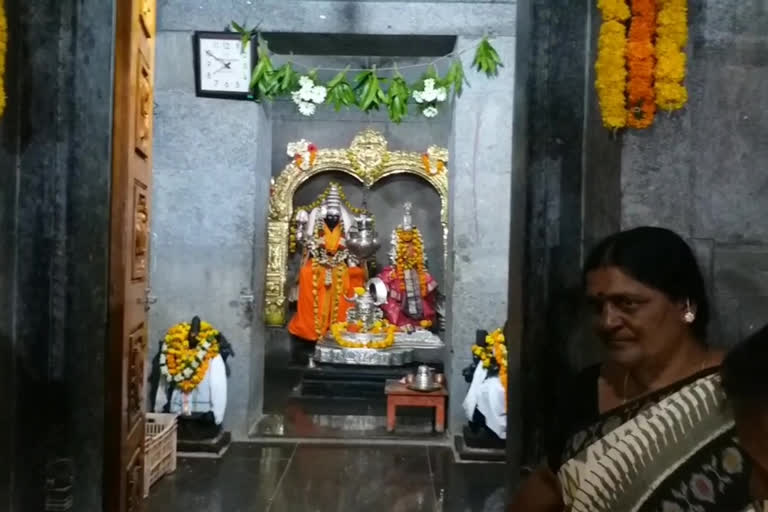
column 189, row 375
column 485, row 405
column 328, row 273
column 411, row 300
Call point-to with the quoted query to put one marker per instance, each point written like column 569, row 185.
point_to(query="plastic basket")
column 159, row 448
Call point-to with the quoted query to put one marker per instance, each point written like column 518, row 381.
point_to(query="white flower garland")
column 430, row 97
column 302, row 149
column 308, row 96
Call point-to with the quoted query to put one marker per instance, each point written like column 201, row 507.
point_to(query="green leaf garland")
column 397, row 98
column 340, row 92
column 369, row 91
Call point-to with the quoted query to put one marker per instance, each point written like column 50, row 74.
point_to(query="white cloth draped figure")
column 209, row 395
column 487, row 395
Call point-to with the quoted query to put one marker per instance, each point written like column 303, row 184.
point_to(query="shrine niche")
column 369, row 161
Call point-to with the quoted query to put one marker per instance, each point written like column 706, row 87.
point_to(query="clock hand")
column 223, row 61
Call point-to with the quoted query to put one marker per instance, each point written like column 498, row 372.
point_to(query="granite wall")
column 211, row 181
column 55, row 159
column 702, row 172
column 699, row 172
column 480, row 142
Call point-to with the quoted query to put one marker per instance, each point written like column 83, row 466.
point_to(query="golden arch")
column 368, row 160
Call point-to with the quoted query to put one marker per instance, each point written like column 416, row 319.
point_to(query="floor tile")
column 468, row 487
column 231, row 484
column 341, row 479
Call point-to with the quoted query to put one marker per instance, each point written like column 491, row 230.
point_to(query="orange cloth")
column 302, row 324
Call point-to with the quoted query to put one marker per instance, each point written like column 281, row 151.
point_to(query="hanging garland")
column 369, row 90
column 610, row 67
column 671, row 38
column 3, row 51
column 641, row 60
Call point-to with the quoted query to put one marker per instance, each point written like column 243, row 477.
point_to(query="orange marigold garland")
column 610, row 68
column 640, row 62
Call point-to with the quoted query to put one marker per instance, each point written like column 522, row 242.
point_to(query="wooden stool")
column 399, row 394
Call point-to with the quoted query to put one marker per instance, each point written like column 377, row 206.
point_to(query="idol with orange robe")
column 326, row 277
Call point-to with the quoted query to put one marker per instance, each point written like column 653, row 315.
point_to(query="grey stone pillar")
column 480, row 186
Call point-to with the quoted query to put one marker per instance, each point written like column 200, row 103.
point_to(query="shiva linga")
column 365, row 326
column 362, row 239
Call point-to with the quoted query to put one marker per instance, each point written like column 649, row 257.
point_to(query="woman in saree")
column 646, row 430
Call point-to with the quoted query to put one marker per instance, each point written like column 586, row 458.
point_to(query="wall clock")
column 222, row 66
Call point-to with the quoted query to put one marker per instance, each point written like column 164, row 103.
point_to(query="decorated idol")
column 485, row 405
column 328, row 273
column 411, row 290
column 190, row 372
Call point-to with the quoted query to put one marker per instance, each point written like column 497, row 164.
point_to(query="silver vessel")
column 362, row 239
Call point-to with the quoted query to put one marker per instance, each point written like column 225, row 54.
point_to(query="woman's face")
column 635, row 322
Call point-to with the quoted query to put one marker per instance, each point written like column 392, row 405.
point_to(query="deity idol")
column 189, row 377
column 411, row 290
column 329, row 273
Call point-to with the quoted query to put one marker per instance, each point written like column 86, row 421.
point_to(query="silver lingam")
column 365, row 310
column 362, row 238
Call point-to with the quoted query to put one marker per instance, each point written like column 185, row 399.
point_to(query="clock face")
column 224, row 66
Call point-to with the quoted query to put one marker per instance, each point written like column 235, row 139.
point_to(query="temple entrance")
column 324, row 383
column 230, row 200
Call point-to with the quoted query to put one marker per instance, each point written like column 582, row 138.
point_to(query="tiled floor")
column 331, row 478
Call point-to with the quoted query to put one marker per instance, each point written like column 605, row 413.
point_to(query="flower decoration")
column 379, row 327
column 492, row 353
column 186, row 366
column 429, row 97
column 308, row 96
column 671, row 38
column 3, row 50
column 610, row 68
column 641, row 62
column 304, row 153
column 409, row 255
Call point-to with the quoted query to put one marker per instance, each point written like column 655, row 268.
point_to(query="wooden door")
column 129, row 254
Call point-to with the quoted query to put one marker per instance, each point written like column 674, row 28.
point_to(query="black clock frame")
column 199, row 92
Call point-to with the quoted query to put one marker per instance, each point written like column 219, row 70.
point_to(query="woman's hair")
column 658, row 258
column 743, row 371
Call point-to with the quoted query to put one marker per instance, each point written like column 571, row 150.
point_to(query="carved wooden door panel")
column 129, row 254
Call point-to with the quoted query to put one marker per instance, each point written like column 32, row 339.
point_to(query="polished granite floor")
column 290, row 413
column 331, row 478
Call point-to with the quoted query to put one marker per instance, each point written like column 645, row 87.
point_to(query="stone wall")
column 55, row 156
column 699, row 172
column 211, row 182
column 702, row 171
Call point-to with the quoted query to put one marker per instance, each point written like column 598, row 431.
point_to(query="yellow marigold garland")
column 406, row 259
column 671, row 38
column 338, row 329
column 185, row 366
column 3, row 50
column 494, row 353
column 640, row 61
column 610, row 68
